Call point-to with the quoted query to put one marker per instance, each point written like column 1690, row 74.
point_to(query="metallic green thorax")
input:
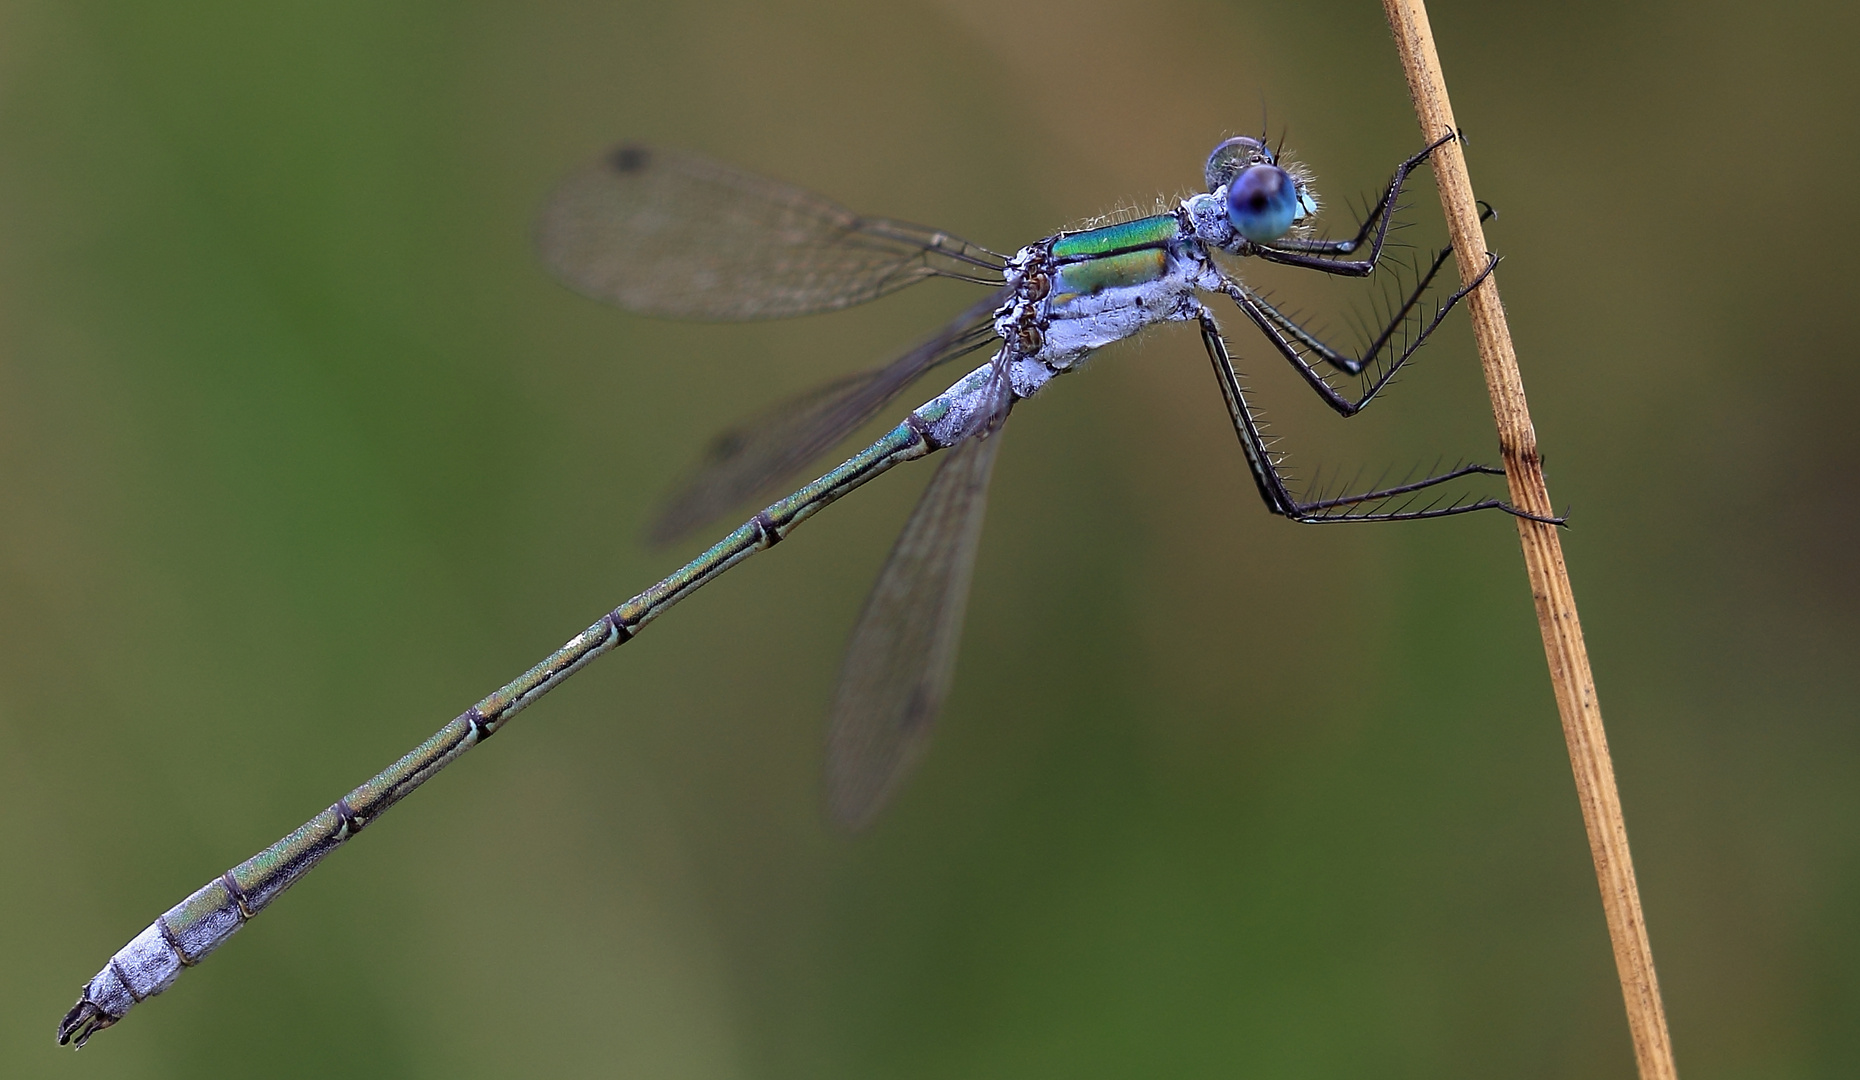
column 1149, row 232
column 1114, row 257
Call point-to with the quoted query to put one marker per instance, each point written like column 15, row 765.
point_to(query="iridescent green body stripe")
column 1154, row 231
column 187, row 932
column 1092, row 276
column 1113, row 257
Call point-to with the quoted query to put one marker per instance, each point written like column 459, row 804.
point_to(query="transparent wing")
column 897, row 669
column 760, row 455
column 674, row 234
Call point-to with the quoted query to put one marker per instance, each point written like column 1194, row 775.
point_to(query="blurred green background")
column 300, row 454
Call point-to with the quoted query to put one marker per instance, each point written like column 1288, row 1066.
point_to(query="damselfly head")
column 1264, row 201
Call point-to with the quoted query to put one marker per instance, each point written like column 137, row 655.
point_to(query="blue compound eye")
column 1262, row 202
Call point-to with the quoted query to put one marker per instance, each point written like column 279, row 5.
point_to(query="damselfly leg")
column 1398, row 319
column 1321, row 255
column 1264, row 464
column 1293, row 341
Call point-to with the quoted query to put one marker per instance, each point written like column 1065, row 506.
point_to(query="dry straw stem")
column 1543, row 557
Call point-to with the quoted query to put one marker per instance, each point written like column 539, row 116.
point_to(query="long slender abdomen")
column 183, row 935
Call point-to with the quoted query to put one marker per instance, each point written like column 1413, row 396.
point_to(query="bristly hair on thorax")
column 1122, row 212
column 1162, row 204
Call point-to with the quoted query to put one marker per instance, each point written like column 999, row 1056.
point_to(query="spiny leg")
column 1310, row 342
column 1276, row 326
column 1321, row 255
column 1354, row 365
column 1271, row 482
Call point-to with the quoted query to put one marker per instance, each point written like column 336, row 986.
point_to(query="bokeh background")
column 300, row 454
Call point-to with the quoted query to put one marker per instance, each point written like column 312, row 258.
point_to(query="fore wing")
column 669, row 233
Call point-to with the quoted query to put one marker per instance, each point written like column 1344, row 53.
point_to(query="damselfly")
column 673, row 234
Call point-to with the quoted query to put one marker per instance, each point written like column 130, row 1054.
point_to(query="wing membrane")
column 903, row 652
column 674, row 234
column 757, row 457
